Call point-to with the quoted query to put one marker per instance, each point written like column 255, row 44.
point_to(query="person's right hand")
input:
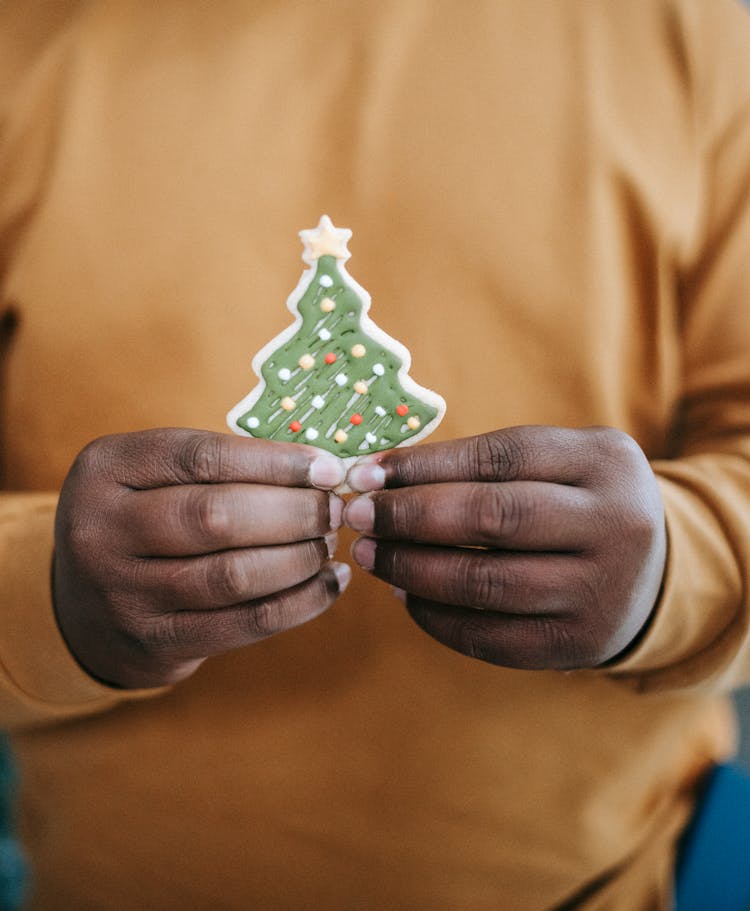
column 173, row 545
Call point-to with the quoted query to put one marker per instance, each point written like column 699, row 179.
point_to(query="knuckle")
column 136, row 629
column 474, row 642
column 91, row 475
column 397, row 566
column 572, row 638
column 633, row 518
column 407, row 466
column 265, row 618
column 396, row 514
column 179, row 584
column 642, row 524
column 159, row 636
column 484, row 592
column 498, row 513
column 167, row 649
column 210, row 513
column 558, row 643
column 200, row 456
column 497, row 456
column 305, row 560
column 91, row 458
column 480, row 584
column 228, row 582
column 552, row 643
column 87, row 535
column 79, row 534
column 616, row 446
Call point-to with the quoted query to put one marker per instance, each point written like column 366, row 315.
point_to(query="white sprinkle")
column 371, row 438
column 325, row 280
column 324, row 335
column 285, row 373
column 380, row 411
column 311, row 433
column 341, row 379
column 318, row 401
column 378, row 369
column 253, row 422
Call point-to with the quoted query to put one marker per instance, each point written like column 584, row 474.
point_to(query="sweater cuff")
column 689, row 632
column 39, row 677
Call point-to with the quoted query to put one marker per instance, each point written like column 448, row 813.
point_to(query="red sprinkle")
column 401, row 410
column 295, row 426
column 330, row 358
column 355, row 419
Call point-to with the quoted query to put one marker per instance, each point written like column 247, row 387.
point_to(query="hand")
column 173, row 545
column 531, row 547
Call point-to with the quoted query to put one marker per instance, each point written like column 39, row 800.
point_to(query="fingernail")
column 336, row 509
column 363, row 551
column 343, row 573
column 400, row 594
column 366, row 476
column 332, row 542
column 326, row 471
column 360, row 513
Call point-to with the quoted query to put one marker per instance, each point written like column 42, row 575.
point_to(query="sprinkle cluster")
column 351, row 414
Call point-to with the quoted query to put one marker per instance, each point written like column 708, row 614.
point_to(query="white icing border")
column 372, row 329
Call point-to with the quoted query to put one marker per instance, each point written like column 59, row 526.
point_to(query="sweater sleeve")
column 40, row 681
column 699, row 635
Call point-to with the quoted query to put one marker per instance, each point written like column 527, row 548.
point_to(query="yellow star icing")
column 325, row 240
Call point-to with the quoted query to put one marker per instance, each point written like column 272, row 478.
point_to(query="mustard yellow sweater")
column 551, row 207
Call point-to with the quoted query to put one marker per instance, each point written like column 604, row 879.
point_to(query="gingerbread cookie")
column 333, row 379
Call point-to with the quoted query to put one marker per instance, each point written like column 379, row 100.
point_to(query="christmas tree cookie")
column 333, row 379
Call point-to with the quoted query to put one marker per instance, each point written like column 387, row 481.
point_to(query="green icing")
column 341, row 401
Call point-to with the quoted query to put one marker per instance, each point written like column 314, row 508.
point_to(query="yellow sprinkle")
column 413, row 422
column 326, row 305
column 288, row 404
column 341, row 436
column 359, row 351
column 306, row 361
column 361, row 387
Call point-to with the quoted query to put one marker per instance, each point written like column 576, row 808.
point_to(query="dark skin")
column 531, row 547
column 174, row 545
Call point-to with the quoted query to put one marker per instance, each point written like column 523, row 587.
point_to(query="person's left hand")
column 530, row 547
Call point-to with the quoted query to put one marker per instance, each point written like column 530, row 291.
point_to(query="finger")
column 509, row 640
column 517, row 583
column 232, row 576
column 200, row 634
column 522, row 515
column 203, row 518
column 160, row 458
column 531, row 453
